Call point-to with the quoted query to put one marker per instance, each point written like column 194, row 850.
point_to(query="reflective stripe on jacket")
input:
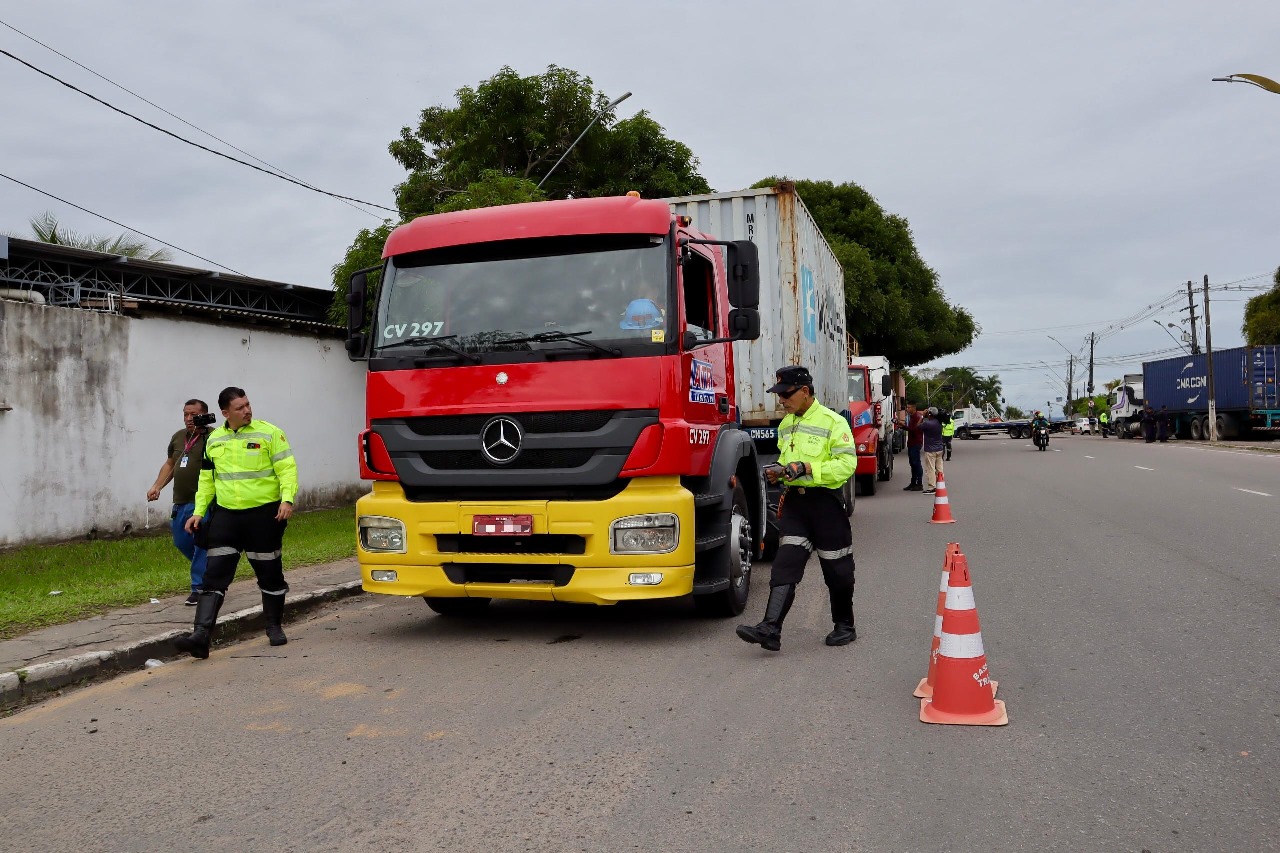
column 248, row 467
column 824, row 440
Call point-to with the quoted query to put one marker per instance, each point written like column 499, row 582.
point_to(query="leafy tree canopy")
column 504, row 135
column 47, row 229
column 950, row 387
column 1262, row 316
column 894, row 304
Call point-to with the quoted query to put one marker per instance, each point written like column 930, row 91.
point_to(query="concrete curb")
column 24, row 686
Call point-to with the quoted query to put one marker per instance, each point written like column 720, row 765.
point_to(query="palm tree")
column 47, row 229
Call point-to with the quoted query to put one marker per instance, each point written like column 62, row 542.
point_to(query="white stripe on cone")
column 960, row 598
column 961, row 646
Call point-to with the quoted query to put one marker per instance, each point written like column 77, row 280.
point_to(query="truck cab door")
column 707, row 405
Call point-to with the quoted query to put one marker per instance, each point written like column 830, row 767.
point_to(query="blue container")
column 1243, row 377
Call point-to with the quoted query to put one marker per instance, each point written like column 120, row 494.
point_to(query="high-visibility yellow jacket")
column 948, row 429
column 247, row 467
column 824, row 440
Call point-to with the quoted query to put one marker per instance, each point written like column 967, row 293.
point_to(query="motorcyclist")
column 1040, row 422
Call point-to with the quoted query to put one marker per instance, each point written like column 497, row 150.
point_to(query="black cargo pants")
column 813, row 519
column 254, row 531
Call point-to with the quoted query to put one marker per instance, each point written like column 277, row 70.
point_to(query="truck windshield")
column 857, row 386
column 526, row 295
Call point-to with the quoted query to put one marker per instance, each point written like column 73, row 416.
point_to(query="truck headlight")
column 381, row 534
column 862, row 447
column 655, row 533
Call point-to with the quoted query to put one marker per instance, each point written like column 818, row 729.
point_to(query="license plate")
column 502, row 525
column 762, row 433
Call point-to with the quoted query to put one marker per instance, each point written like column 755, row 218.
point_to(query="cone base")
column 997, row 716
column 942, row 521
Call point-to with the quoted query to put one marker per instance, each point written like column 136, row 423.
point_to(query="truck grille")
column 558, row 451
column 507, row 573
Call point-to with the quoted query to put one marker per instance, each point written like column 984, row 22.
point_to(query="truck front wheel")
column 460, row 607
column 866, row 484
column 733, row 560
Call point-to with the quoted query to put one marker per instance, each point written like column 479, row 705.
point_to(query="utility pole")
column 1208, row 350
column 1093, row 338
column 1191, row 306
column 1068, row 410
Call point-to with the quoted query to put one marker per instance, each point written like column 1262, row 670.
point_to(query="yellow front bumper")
column 599, row 577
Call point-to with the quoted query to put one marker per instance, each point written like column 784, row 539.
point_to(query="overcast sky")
column 1062, row 164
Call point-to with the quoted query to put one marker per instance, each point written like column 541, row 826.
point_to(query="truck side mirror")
column 744, row 324
column 744, row 276
column 357, row 340
column 886, row 385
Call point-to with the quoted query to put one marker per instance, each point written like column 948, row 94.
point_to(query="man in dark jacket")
column 911, row 421
column 1148, row 424
column 1162, row 424
column 931, row 429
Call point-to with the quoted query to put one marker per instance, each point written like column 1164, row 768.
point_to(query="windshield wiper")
column 572, row 337
column 441, row 341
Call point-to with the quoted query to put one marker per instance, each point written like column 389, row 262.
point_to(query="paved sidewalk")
column 124, row 639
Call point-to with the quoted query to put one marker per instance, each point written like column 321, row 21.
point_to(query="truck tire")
column 866, row 484
column 886, row 471
column 734, row 559
column 458, row 607
column 1196, row 432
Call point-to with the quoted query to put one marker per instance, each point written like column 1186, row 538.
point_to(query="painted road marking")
column 1140, row 468
column 1055, row 450
column 1088, row 456
column 1252, row 492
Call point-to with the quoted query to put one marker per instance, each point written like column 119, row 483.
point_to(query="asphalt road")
column 1128, row 597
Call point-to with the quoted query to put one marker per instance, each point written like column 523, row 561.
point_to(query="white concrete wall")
column 94, row 398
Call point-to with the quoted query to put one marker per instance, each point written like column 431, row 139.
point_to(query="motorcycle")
column 1041, row 438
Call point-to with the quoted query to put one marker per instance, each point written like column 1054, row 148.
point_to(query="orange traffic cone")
column 962, row 686
column 941, row 505
column 925, row 688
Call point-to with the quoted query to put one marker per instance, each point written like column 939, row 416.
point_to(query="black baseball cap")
column 791, row 376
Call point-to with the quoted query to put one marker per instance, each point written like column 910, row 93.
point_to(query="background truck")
column 871, row 410
column 802, row 310
column 973, row 423
column 1125, row 405
column 1245, row 393
column 556, row 398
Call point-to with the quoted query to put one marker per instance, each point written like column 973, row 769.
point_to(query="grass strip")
column 100, row 575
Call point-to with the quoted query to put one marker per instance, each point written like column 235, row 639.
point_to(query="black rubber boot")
column 841, row 616
column 273, row 615
column 768, row 634
column 198, row 641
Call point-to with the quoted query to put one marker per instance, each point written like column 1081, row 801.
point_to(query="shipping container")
column 802, row 307
column 1245, row 393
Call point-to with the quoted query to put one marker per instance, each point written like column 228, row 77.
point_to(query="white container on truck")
column 801, row 294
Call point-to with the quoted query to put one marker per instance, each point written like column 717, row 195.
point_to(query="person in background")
column 1162, row 424
column 948, row 433
column 182, row 466
column 1104, row 421
column 1148, row 424
column 910, row 421
column 933, row 447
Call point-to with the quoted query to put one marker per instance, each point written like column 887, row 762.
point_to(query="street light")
column 1253, row 79
column 1169, row 333
column 580, row 135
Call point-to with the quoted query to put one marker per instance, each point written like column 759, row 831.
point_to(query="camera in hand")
column 207, row 419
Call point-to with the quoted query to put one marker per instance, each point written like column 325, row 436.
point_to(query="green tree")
column 894, row 304
column 504, row 135
column 1262, row 316
column 47, row 229
column 1013, row 413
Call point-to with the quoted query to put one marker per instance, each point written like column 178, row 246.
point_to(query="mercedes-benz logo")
column 500, row 440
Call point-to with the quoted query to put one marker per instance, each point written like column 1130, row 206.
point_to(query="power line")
column 122, row 225
column 168, row 113
column 128, row 114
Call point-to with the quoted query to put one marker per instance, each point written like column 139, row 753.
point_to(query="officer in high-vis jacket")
column 818, row 456
column 248, row 482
